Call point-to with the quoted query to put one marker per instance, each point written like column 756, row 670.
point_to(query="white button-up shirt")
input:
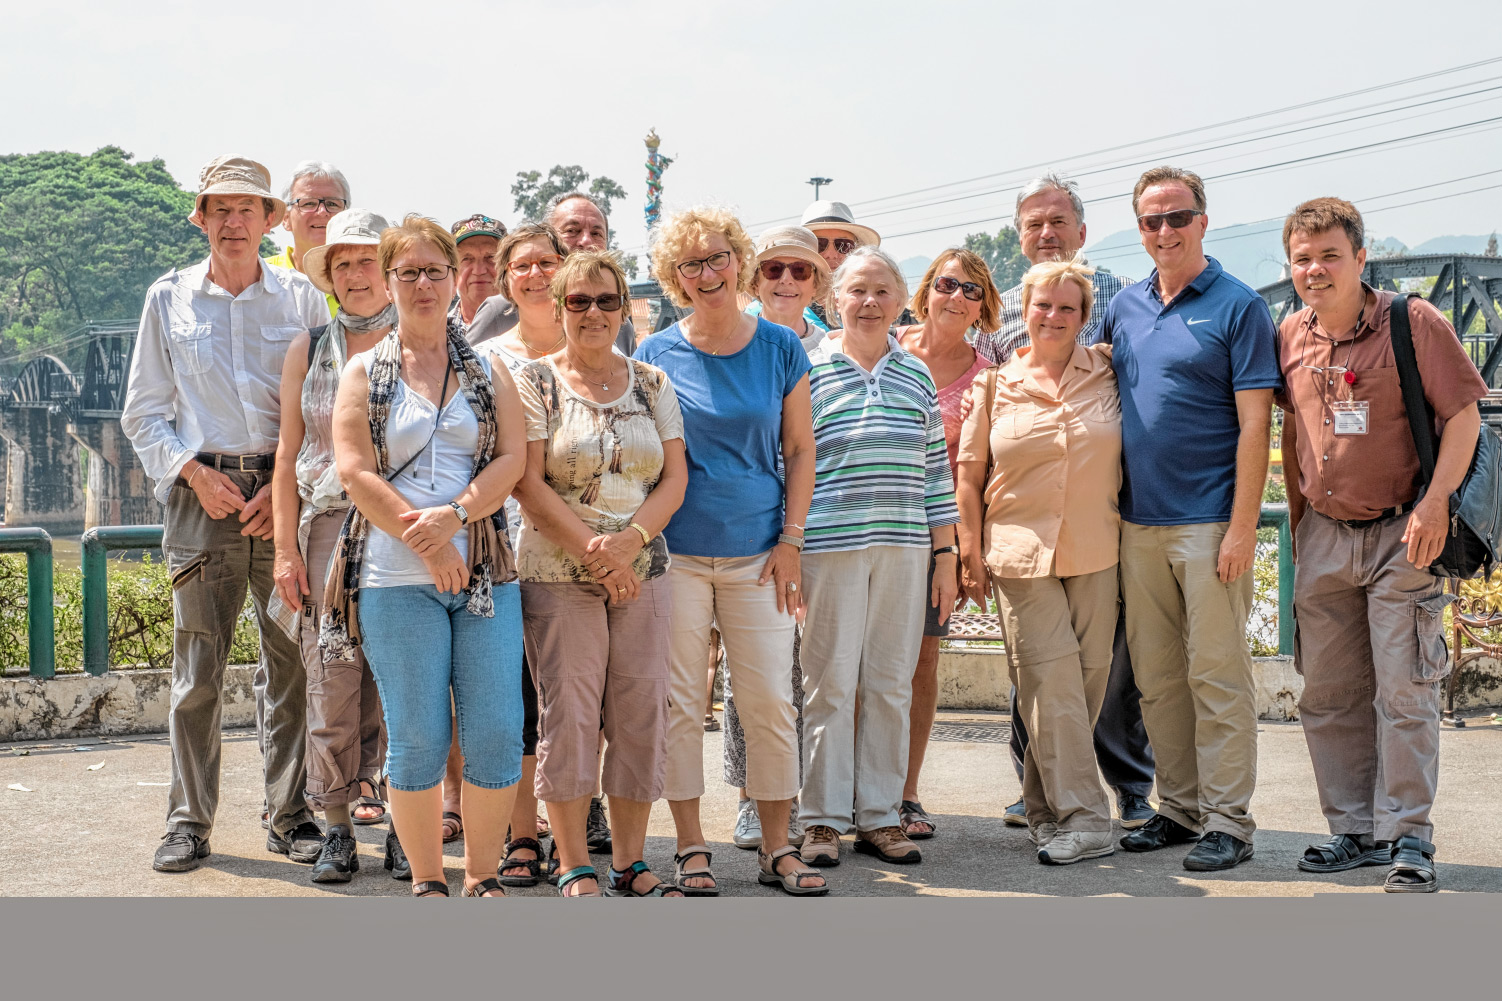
column 205, row 375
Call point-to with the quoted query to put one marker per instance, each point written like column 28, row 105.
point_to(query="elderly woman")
column 957, row 294
column 882, row 512
column 1040, row 468
column 790, row 275
column 605, row 472
column 428, row 441
column 742, row 384
column 346, row 741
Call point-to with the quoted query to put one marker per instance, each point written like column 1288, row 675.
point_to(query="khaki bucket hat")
column 836, row 215
column 790, row 241
column 352, row 227
column 237, row 175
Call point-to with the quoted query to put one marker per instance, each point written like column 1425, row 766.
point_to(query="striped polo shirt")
column 881, row 470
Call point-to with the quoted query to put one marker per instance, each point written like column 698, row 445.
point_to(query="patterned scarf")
column 490, row 559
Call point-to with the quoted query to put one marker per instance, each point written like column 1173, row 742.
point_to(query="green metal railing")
column 1276, row 516
column 97, row 543
column 37, row 545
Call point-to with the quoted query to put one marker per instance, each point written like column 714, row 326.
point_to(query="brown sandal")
column 791, row 883
column 375, row 801
column 453, row 827
column 683, row 872
column 484, row 886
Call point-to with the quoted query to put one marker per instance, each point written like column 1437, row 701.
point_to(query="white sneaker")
column 747, row 826
column 1076, row 846
column 795, row 826
column 1042, row 834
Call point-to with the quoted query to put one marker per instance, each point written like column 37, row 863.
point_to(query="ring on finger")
column 792, row 587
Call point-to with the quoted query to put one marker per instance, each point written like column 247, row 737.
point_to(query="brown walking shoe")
column 821, row 845
column 888, row 844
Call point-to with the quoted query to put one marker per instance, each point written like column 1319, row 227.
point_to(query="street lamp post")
column 819, row 182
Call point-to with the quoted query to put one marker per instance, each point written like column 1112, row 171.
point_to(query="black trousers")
column 1121, row 747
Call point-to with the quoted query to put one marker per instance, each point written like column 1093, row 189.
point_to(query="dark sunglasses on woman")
column 581, row 303
column 947, row 285
column 841, row 244
column 801, row 271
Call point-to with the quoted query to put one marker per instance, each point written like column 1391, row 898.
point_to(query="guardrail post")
column 1277, row 515
column 37, row 545
column 96, row 544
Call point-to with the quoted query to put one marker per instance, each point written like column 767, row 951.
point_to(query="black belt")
column 1396, row 512
column 242, row 463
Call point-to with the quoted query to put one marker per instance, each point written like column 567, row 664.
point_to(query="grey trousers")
column 1121, row 747
column 212, row 565
column 1370, row 644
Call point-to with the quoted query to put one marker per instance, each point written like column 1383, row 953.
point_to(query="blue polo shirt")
column 1178, row 368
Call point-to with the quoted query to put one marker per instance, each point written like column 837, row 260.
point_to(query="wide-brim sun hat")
column 236, row 175
column 790, row 241
column 352, row 227
column 836, row 215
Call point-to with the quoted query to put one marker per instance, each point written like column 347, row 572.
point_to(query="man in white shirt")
column 202, row 410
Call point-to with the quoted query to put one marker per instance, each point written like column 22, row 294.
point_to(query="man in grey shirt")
column 579, row 219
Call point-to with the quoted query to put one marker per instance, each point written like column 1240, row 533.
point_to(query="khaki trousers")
column 1187, row 633
column 1370, row 644
column 346, row 732
column 860, row 642
column 758, row 655
column 1059, row 634
column 212, row 565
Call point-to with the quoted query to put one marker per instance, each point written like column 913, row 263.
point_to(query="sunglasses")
column 801, row 271
column 715, row 262
column 1177, row 219
column 841, row 244
column 949, row 286
column 580, row 303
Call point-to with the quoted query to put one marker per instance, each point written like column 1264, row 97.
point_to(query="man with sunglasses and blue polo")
column 1050, row 223
column 1196, row 365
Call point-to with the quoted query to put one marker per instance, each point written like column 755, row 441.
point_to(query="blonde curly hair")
column 690, row 228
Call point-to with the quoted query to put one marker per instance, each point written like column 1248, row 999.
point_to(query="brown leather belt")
column 242, row 463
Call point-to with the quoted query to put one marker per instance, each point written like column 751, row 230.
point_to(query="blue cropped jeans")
column 419, row 643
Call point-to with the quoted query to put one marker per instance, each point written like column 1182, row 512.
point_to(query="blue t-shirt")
column 1178, row 369
column 732, row 431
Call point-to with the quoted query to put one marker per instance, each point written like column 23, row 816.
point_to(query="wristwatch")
column 947, row 549
column 459, row 510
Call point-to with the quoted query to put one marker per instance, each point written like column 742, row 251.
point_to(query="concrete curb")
column 119, row 702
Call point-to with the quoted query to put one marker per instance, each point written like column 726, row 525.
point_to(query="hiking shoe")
column 1015, row 815
column 795, row 826
column 597, row 829
column 303, row 843
column 180, row 852
column 747, row 826
column 1076, row 846
column 888, row 844
column 337, row 860
column 821, row 845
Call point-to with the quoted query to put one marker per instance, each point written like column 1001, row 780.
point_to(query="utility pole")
column 819, row 182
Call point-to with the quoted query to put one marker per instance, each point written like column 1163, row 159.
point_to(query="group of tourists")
column 494, row 534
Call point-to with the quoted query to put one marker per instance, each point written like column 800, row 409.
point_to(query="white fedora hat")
column 836, row 215
column 352, row 227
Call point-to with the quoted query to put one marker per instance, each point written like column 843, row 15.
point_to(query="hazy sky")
column 434, row 107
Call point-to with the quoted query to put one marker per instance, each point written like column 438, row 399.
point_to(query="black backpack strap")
column 1420, row 414
column 314, row 336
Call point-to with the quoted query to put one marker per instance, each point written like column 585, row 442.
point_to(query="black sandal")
column 374, row 801
column 396, row 859
column 912, row 812
column 430, row 888
column 533, row 865
column 1345, row 851
column 1412, row 867
column 552, row 866
column 484, row 886
column 623, row 884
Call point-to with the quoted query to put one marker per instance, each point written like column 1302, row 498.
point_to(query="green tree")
column 81, row 238
column 1002, row 254
column 532, row 192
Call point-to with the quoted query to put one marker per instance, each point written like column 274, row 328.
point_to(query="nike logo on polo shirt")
column 1191, row 323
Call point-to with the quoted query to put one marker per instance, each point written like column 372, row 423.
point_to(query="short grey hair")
column 855, row 259
column 1046, row 182
column 320, row 169
column 566, row 196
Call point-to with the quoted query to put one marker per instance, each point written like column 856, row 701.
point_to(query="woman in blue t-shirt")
column 742, row 385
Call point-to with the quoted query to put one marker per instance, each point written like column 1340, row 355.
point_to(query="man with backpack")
column 1370, row 636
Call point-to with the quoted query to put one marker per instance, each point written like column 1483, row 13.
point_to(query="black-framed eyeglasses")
column 772, row 271
column 609, row 303
column 1177, row 219
column 715, row 262
column 948, row 286
column 435, row 272
column 841, row 244
column 307, row 206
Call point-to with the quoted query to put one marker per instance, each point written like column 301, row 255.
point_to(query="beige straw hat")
column 236, row 175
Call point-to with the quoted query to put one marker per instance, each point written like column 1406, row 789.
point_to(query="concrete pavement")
column 83, row 832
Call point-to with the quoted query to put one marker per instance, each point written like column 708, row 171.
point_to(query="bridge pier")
column 118, row 491
column 43, row 482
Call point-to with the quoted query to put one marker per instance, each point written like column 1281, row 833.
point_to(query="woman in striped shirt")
column 883, row 506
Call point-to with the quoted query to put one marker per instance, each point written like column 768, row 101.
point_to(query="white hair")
column 319, row 169
column 1047, row 182
column 855, row 259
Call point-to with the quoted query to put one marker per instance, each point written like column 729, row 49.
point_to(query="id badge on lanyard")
column 1349, row 416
